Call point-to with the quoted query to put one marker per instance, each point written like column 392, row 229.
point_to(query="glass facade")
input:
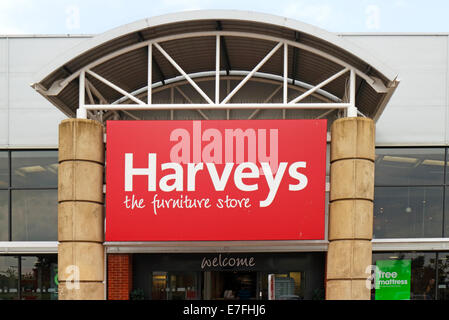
column 35, row 215
column 182, row 276
column 38, row 278
column 4, row 220
column 28, row 195
column 9, row 278
column 4, row 169
column 420, row 207
column 28, row 277
column 34, row 169
column 429, row 273
column 411, row 193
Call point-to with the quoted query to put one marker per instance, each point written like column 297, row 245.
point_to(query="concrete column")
column 80, row 210
column 351, row 209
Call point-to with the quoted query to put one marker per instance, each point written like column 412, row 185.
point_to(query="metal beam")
column 266, row 101
column 224, row 50
column 158, row 69
column 256, row 68
column 67, row 70
column 234, row 75
column 115, row 87
column 217, row 246
column 361, row 83
column 295, row 59
column 81, row 112
column 285, row 91
column 319, row 86
column 217, row 69
column 205, row 106
column 96, row 92
column 140, row 37
column 150, row 75
column 59, row 85
column 180, row 70
column 190, row 101
column 352, row 110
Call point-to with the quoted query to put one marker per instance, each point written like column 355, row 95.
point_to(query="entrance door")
column 231, row 285
column 208, row 276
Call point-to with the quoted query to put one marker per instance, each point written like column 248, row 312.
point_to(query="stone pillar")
column 351, row 209
column 80, row 210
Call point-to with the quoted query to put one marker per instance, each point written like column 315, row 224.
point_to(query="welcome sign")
column 215, row 180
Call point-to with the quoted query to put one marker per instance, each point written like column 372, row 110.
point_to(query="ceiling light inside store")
column 53, row 168
column 400, row 159
column 433, row 163
column 32, row 169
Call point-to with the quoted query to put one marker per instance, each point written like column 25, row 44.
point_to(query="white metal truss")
column 85, row 86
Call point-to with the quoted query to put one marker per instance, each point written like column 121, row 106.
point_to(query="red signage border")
column 215, row 180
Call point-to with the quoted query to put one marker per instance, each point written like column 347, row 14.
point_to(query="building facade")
column 410, row 204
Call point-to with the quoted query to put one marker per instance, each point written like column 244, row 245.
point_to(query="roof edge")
column 251, row 16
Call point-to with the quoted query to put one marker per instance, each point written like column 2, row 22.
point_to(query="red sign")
column 215, row 180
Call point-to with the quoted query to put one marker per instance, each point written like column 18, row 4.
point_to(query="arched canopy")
column 278, row 61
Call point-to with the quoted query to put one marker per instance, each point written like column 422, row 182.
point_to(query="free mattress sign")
column 215, row 180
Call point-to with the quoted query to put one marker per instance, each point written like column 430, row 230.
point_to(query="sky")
column 97, row 16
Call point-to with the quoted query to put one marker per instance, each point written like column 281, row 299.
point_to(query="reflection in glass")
column 409, row 166
column 38, row 276
column 4, row 225
column 9, row 278
column 289, row 286
column 408, row 212
column 446, row 213
column 4, row 170
column 443, row 276
column 447, row 166
column 174, row 285
column 34, row 169
column 423, row 283
column 159, row 282
column 34, row 215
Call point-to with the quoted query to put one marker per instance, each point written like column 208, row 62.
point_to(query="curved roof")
column 314, row 55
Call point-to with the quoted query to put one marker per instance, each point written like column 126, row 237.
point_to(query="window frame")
column 19, row 257
column 10, row 187
column 444, row 185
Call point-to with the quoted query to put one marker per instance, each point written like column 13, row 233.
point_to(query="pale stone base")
column 347, row 290
column 86, row 291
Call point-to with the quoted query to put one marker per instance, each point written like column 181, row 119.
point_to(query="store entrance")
column 232, row 285
column 228, row 276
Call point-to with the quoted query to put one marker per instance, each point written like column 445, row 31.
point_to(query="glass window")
column 9, row 278
column 4, row 170
column 408, row 212
column 423, row 284
column 34, row 169
column 4, row 210
column 289, row 286
column 447, row 165
column 446, row 213
column 443, row 276
column 38, row 277
column 174, row 285
column 159, row 281
column 409, row 166
column 34, row 215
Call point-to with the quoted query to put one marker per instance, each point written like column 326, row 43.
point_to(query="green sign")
column 392, row 280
